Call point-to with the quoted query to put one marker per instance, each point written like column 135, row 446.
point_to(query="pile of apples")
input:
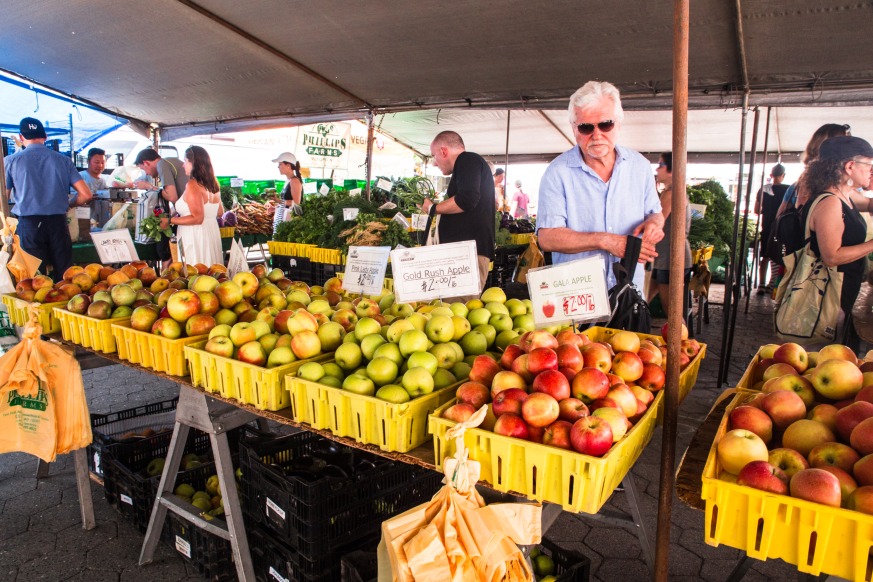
column 809, row 433
column 564, row 390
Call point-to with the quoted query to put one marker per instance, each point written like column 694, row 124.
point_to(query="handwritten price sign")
column 365, row 269
column 435, row 272
column 574, row 291
column 114, row 246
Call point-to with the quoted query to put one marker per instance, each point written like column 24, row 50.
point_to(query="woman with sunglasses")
column 661, row 267
column 837, row 230
column 795, row 196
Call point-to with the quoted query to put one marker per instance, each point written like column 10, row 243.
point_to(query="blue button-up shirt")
column 40, row 180
column 573, row 196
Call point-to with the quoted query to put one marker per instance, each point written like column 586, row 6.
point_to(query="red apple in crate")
column 764, row 476
column 541, row 359
column 752, row 419
column 539, row 410
column 589, row 384
column 627, row 366
column 511, row 352
column 199, row 324
column 861, row 499
column 783, row 407
column 837, row 379
column 183, row 305
column 755, row 401
column 788, row 460
column 220, row 346
column 816, row 485
column 665, row 330
column 760, row 368
column 603, row 403
column 792, row 354
column 473, row 393
column 625, row 398
column 166, row 327
column 459, row 412
column 847, row 483
column 613, row 379
column 558, row 435
column 568, row 373
column 144, row 317
column 794, row 383
column 653, row 377
column 625, row 341
column 504, row 380
column 252, row 353
column 777, row 370
column 643, row 395
column 690, row 348
column 863, row 470
column 618, row 422
column 804, row 435
column 570, row 357
column 509, row 401
column 520, row 367
column 865, row 394
column 568, row 336
column 539, row 338
column 553, row 383
column 837, row 352
column 861, row 438
column 484, row 369
column 825, row 414
column 511, row 425
column 536, row 434
column 571, row 409
column 591, row 436
column 848, row 418
column 596, row 356
column 650, row 356
column 305, row 345
column 684, row 360
column 739, row 447
column 833, row 455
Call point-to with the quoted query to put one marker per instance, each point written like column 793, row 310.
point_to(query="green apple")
column 300, row 296
column 261, row 328
column 331, row 335
column 424, row 360
column 412, row 341
column 529, row 304
column 459, row 309
column 495, row 307
column 269, row 342
column 391, row 351
column 401, row 310
column 459, row 351
column 331, row 381
column 445, row 354
column 225, row 317
column 443, row 378
column 393, row 393
column 242, row 333
column 478, row 316
column 331, row 369
column 461, row 370
column 370, row 343
column 398, row 328
column 312, row 371
column 385, row 302
column 418, row 320
column 440, row 328
column 461, row 325
column 366, row 326
column 359, row 385
column 350, row 338
column 348, row 356
column 488, row 331
column 122, row 310
column 493, row 294
column 500, row 322
column 504, row 338
column 516, row 307
column 280, row 357
column 319, row 306
column 442, row 310
column 382, row 371
column 383, row 331
column 417, row 381
column 471, row 358
column 525, row 322
column 220, row 330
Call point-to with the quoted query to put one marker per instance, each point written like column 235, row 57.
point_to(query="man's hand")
column 617, row 245
column 425, row 206
column 652, row 230
column 143, row 185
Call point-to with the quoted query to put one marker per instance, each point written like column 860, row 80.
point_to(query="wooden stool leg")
column 83, row 483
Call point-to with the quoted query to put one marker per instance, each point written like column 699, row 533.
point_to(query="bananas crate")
column 579, row 483
column 250, row 384
column 688, row 376
column 289, row 249
column 816, row 538
column 19, row 312
column 227, row 231
column 367, row 419
column 152, row 351
column 88, row 332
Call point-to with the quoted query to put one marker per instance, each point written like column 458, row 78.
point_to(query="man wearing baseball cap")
column 290, row 168
column 38, row 182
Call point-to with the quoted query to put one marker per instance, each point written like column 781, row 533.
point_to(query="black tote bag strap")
column 625, row 269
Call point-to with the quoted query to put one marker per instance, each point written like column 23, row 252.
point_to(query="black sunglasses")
column 588, row 128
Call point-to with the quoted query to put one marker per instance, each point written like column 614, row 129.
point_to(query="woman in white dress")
column 198, row 211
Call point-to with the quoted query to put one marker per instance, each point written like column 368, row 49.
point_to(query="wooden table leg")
column 633, row 502
column 83, row 483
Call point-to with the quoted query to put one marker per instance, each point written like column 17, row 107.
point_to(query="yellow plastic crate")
column 19, row 312
column 152, row 351
column 227, row 231
column 290, row 249
column 250, row 384
column 688, row 376
column 367, row 419
column 520, row 239
column 815, row 538
column 327, row 256
column 705, row 252
column 88, row 332
column 747, row 380
column 579, row 483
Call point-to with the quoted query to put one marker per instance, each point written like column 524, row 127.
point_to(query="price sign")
column 574, row 291
column 114, row 246
column 237, row 263
column 237, row 182
column 310, row 188
column 83, row 212
column 401, row 220
column 434, row 272
column 324, row 189
column 419, row 221
column 384, row 184
column 350, row 213
column 388, row 206
column 365, row 269
column 355, row 192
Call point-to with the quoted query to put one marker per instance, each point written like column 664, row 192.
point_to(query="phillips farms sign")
column 325, row 145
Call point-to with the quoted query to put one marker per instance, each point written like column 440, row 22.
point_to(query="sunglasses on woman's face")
column 588, row 128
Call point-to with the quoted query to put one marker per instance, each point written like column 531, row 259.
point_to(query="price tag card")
column 384, row 184
column 83, row 212
column 574, row 291
column 401, row 220
column 324, row 189
column 388, row 206
column 419, row 221
column 350, row 213
column 237, row 263
column 114, row 246
column 310, row 188
column 237, row 182
column 434, row 272
column 365, row 269
column 355, row 192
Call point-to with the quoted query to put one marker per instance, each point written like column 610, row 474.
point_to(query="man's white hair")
column 591, row 94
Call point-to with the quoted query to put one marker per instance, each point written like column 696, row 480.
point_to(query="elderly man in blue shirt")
column 596, row 194
column 39, row 181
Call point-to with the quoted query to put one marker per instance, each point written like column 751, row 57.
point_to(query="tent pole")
column 370, row 129
column 4, row 198
column 506, row 159
column 757, row 255
column 677, row 290
column 741, row 241
column 729, row 279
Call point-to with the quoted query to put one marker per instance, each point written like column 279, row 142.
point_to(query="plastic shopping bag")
column 531, row 258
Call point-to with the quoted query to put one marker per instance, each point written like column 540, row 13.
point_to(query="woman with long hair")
column 796, row 196
column 837, row 230
column 198, row 210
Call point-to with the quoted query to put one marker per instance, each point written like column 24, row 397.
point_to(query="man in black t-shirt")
column 766, row 206
column 468, row 211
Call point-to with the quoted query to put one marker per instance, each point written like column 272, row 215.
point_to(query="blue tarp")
column 20, row 98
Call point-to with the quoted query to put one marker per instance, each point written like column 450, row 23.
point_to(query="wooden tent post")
column 370, row 129
column 758, row 256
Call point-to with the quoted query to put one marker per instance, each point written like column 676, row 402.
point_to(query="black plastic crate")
column 321, row 272
column 569, row 566
column 359, row 566
column 301, row 270
column 210, row 554
column 109, row 429
column 316, row 516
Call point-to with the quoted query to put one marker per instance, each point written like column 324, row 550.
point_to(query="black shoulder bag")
column 629, row 310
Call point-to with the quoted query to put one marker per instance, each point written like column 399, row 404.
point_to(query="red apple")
column 837, row 352
column 541, row 359
column 788, row 460
column 539, row 410
column 625, row 398
column 558, row 435
column 650, row 356
column 511, row 352
column 589, row 384
column 792, row 354
column 861, row 499
column 779, row 369
column 571, row 409
column 848, row 418
column 617, row 420
column 861, row 438
column 690, row 347
column 484, row 369
column 625, row 341
column 847, row 483
column 591, row 436
column 603, row 403
column 804, row 435
column 183, row 305
column 511, row 425
column 536, row 434
column 509, row 401
column 816, row 485
column 459, row 412
column 570, row 357
column 613, row 379
column 539, row 338
column 752, row 419
column 643, row 395
column 595, row 355
column 825, row 414
column 474, row 394
column 739, row 447
column 665, row 329
column 553, row 383
column 568, row 373
column 653, row 377
column 760, row 368
column 783, row 407
column 764, row 476
column 627, row 366
column 865, row 394
column 520, row 367
column 863, row 470
column 837, row 379
column 504, row 380
column 798, row 384
column 568, row 336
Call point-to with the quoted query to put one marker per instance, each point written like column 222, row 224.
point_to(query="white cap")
column 286, row 157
